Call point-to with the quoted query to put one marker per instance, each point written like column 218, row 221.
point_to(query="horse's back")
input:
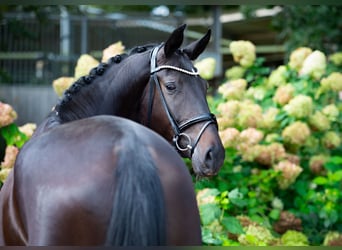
column 64, row 181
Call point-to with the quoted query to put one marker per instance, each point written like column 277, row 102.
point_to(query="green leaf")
column 301, row 187
column 209, row 212
column 337, row 176
column 232, row 225
column 320, row 180
column 208, row 237
column 235, row 194
column 334, row 163
column 285, row 122
column 274, row 214
column 13, row 136
column 224, row 194
column 236, row 197
column 280, row 116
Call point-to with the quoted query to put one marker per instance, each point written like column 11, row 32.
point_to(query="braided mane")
column 73, row 105
column 84, row 81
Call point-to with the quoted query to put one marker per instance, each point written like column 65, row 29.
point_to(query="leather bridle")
column 178, row 129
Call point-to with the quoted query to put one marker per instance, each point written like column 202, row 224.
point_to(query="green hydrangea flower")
column 256, row 93
column 7, row 114
column 206, row 68
column 243, row 52
column 331, row 111
column 266, row 155
column 251, row 136
column 4, row 174
column 207, row 196
column 250, row 115
column 336, row 58
column 319, row 121
column 84, row 64
column 332, row 82
column 312, row 142
column 298, row 56
column 289, row 173
column 332, row 236
column 331, row 140
column 314, row 65
column 277, row 77
column 296, row 133
column 235, row 72
column 284, row 94
column 227, row 113
column 256, row 235
column 316, row 163
column 300, row 106
column 294, row 238
column 229, row 137
column 233, row 90
column 277, row 203
column 269, row 119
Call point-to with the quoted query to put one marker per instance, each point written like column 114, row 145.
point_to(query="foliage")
column 314, row 26
column 281, row 181
column 13, row 137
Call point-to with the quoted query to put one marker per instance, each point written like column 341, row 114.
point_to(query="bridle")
column 178, row 129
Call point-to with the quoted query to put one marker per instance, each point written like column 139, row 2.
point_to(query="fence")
column 37, row 53
column 33, row 54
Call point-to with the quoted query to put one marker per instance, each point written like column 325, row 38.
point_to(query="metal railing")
column 37, row 53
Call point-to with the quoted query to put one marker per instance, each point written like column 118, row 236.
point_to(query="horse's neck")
column 51, row 121
column 117, row 92
column 124, row 97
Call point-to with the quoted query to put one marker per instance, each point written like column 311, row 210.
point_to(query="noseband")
column 178, row 129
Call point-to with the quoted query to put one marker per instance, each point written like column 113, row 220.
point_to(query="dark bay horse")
column 88, row 177
column 115, row 196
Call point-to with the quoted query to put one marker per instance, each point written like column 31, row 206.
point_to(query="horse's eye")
column 170, row 86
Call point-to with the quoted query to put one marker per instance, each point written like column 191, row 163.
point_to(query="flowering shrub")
column 281, row 179
column 14, row 137
column 206, row 67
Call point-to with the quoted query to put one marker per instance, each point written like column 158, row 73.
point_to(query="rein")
column 177, row 129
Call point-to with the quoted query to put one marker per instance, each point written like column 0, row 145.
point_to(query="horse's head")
column 176, row 96
column 173, row 103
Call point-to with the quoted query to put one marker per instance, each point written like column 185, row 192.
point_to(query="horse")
column 115, row 197
column 92, row 174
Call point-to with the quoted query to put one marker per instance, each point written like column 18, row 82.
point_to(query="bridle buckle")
column 177, row 138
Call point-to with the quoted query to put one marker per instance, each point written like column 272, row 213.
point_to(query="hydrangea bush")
column 281, row 127
column 13, row 136
column 281, row 180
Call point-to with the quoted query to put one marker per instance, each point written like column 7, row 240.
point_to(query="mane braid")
column 79, row 85
column 141, row 49
column 71, row 108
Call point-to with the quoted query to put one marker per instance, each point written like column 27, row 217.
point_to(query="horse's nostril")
column 212, row 161
column 209, row 156
column 209, row 160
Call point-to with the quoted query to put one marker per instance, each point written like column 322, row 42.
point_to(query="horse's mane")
column 64, row 105
column 87, row 80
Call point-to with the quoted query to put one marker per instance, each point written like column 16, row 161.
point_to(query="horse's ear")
column 175, row 41
column 194, row 49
